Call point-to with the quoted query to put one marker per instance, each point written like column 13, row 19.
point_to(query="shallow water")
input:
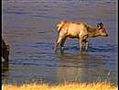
column 29, row 29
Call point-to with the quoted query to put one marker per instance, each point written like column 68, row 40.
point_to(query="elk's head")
column 102, row 31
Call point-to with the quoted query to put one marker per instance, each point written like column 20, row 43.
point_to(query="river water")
column 29, row 27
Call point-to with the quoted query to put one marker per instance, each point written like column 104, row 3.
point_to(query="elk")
column 80, row 30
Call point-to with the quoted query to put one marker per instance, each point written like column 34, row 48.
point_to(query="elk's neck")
column 93, row 32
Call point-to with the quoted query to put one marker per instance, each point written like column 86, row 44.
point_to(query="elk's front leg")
column 81, row 43
column 85, row 44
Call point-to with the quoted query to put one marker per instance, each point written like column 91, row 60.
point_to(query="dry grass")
column 65, row 86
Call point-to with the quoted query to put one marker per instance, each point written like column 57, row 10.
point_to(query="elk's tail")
column 60, row 25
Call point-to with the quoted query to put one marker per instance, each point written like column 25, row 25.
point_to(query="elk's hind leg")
column 59, row 42
column 62, row 43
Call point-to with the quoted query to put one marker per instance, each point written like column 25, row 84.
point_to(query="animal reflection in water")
column 80, row 67
column 5, row 56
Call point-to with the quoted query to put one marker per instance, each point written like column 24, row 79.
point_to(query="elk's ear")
column 100, row 25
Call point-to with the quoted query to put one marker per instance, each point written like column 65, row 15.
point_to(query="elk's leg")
column 62, row 43
column 87, row 44
column 60, row 40
column 84, row 42
column 81, row 44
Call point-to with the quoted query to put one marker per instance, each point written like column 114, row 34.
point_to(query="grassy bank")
column 65, row 86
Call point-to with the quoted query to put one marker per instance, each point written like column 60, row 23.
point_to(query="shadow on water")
column 82, row 67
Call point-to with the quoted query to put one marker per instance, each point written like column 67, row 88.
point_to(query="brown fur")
column 79, row 30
